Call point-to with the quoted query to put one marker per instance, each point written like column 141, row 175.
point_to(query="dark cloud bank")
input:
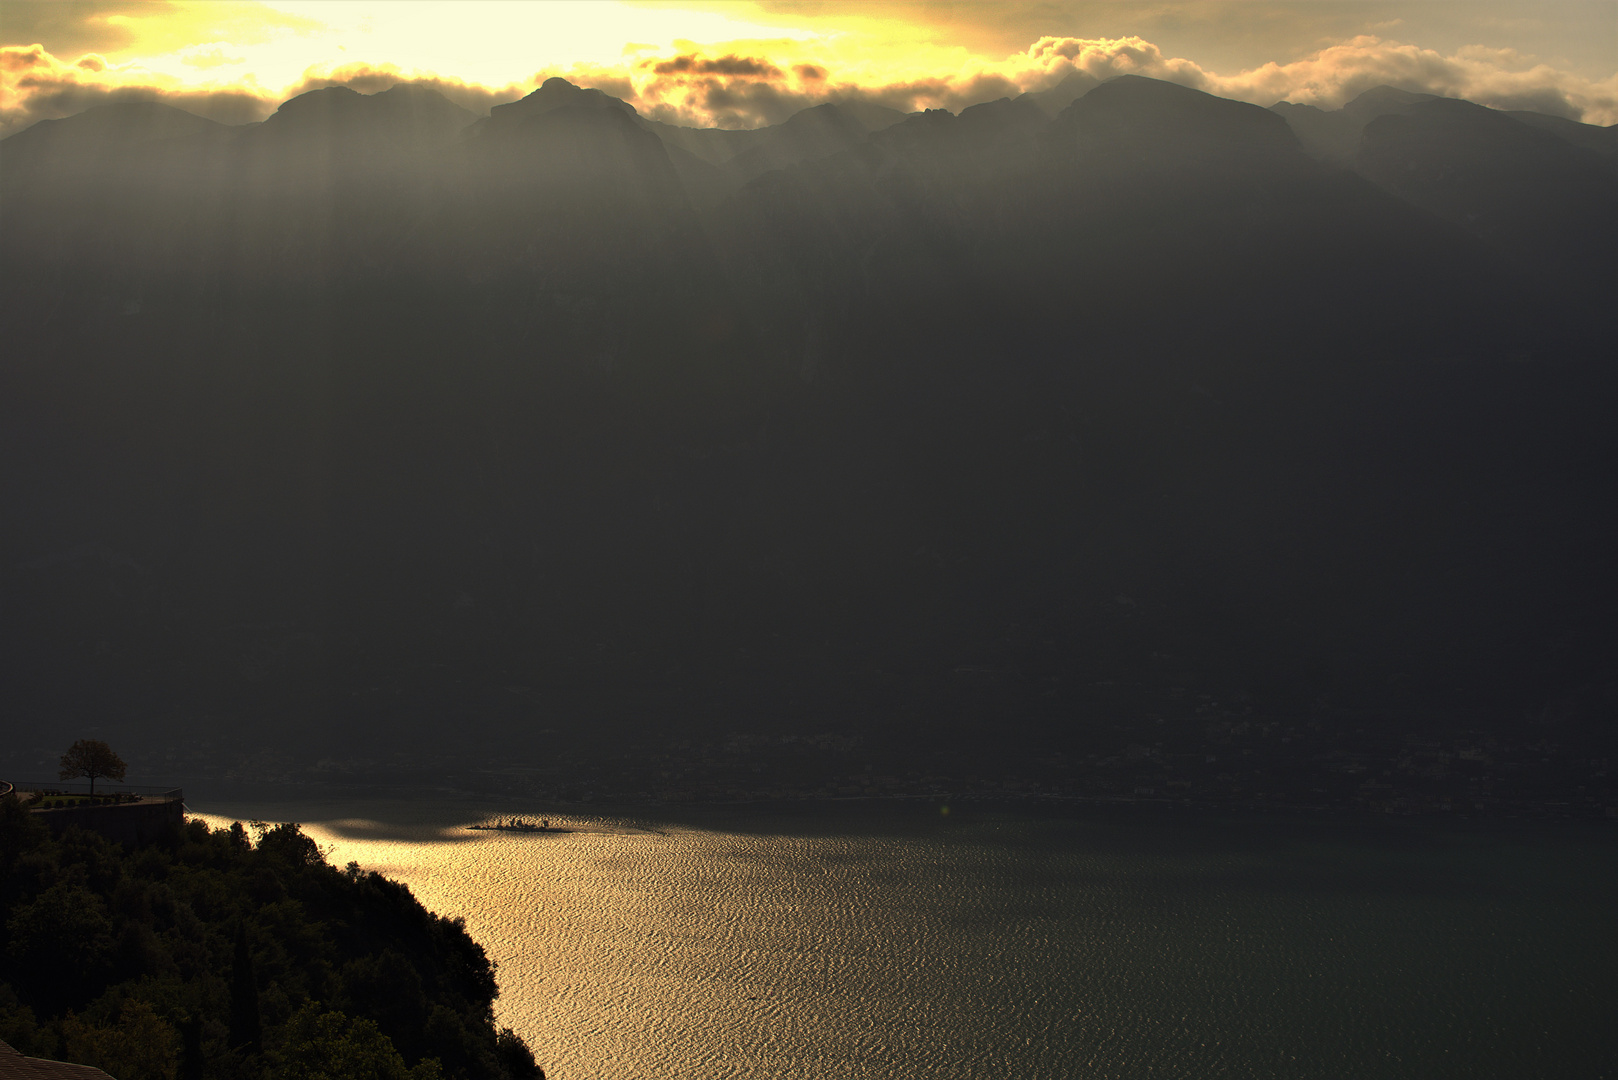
column 1065, row 441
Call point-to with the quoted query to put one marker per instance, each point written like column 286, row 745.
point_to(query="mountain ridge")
column 691, row 435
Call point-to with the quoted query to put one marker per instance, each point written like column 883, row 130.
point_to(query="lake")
column 846, row 941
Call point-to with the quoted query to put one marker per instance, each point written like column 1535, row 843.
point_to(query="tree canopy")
column 219, row 955
column 92, row 758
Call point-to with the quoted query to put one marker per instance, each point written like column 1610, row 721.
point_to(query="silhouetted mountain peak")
column 870, row 116
column 72, row 150
column 1453, row 126
column 116, row 126
column 1053, row 100
column 415, row 97
column 994, row 128
column 340, row 112
column 808, row 135
column 921, row 128
column 600, row 155
column 1384, row 101
column 1138, row 115
column 826, row 117
column 814, row 132
column 1154, row 102
column 325, row 101
column 1006, row 113
column 557, row 93
column 1336, row 134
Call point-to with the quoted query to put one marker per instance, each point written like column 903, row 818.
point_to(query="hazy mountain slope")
column 1548, row 207
column 1335, row 134
column 1603, row 141
column 1332, row 135
column 812, row 134
column 1072, row 87
column 100, row 135
column 1134, row 120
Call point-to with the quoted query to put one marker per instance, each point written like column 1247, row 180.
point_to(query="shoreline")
column 450, row 816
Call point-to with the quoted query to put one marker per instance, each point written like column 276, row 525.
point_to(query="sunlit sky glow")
column 754, row 63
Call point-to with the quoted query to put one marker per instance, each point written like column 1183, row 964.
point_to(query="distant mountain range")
column 340, row 185
column 342, row 425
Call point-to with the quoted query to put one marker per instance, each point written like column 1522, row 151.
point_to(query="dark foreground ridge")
column 1114, row 445
column 210, row 955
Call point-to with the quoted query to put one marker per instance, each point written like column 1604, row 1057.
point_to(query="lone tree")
column 92, row 758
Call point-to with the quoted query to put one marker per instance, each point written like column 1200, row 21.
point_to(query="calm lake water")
column 895, row 941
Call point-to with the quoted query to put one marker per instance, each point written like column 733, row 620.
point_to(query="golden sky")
column 741, row 64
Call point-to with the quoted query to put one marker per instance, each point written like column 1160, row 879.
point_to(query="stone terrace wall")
column 133, row 824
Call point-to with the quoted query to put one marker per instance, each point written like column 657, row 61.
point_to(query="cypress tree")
column 190, row 1048
column 244, row 1020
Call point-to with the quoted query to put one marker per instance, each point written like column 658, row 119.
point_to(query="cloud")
column 71, row 27
column 731, row 91
column 1500, row 78
column 39, row 86
column 739, row 91
column 124, row 28
column 208, row 57
column 24, row 58
column 736, row 90
column 744, row 66
column 35, row 85
column 1051, row 59
column 373, row 79
column 751, row 84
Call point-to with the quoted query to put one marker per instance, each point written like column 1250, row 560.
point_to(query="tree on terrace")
column 92, row 758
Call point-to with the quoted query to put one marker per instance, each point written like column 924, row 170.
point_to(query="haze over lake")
column 872, row 941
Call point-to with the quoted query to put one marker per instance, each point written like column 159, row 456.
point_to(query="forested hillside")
column 219, row 955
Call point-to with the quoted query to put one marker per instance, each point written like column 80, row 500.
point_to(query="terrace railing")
column 146, row 792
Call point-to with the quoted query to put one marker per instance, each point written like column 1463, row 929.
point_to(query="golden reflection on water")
column 532, row 901
column 968, row 949
column 628, row 951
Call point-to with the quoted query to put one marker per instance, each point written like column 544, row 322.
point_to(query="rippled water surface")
column 901, row 942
